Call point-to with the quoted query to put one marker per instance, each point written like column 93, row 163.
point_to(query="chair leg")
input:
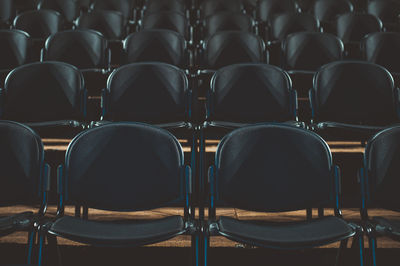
column 206, row 246
column 31, row 242
column 343, row 245
column 195, row 250
column 373, row 248
column 54, row 250
column 40, row 251
column 361, row 248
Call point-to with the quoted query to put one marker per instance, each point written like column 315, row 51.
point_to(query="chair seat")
column 385, row 226
column 118, row 234
column 292, row 235
column 20, row 221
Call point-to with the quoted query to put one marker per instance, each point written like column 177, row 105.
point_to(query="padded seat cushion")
column 15, row 222
column 109, row 233
column 287, row 235
column 385, row 226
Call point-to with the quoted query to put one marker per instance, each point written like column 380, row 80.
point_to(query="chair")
column 268, row 9
column 110, row 23
column 125, row 7
column 152, row 6
column 7, row 13
column 131, row 167
column 24, row 179
column 277, row 168
column 45, row 95
column 327, row 11
column 85, row 49
column 14, row 51
column 303, row 53
column 379, row 183
column 353, row 99
column 156, row 45
column 69, row 9
column 211, row 7
column 387, row 11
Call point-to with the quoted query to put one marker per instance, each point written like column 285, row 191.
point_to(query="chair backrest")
column 123, row 6
column 43, row 91
column 151, row 6
column 148, row 92
column 14, row 48
column 251, row 93
column 352, row 27
column 268, row 9
column 110, row 23
column 39, row 23
column 7, row 11
column 211, row 7
column 382, row 48
column 382, row 166
column 82, row 48
column 156, row 45
column 269, row 167
column 69, row 9
column 225, row 20
column 329, row 10
column 310, row 50
column 167, row 20
column 124, row 167
column 232, row 47
column 386, row 10
column 354, row 92
column 284, row 24
column 21, row 164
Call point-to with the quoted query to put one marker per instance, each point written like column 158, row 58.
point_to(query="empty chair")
column 277, row 168
column 303, row 53
column 379, row 185
column 110, row 23
column 211, row 7
column 69, row 9
column 85, row 49
column 167, row 20
column 7, row 13
column 24, row 5
column 149, row 92
column 14, row 51
column 387, row 11
column 151, row 6
column 382, row 48
column 131, row 167
column 352, row 27
column 126, row 7
column 268, row 9
column 40, row 24
column 45, row 95
column 353, row 96
column 156, row 45
column 24, row 180
column 327, row 11
column 224, row 21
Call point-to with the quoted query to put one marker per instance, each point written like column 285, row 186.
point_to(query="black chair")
column 110, row 23
column 277, row 168
column 14, row 51
column 152, row 6
column 167, row 20
column 157, row 45
column 25, row 5
column 211, row 7
column 225, row 21
column 46, row 96
column 122, row 167
column 353, row 100
column 382, row 48
column 352, row 27
column 85, row 49
column 7, row 13
column 126, row 7
column 387, row 11
column 303, row 53
column 24, row 179
column 327, row 11
column 379, row 182
column 69, row 9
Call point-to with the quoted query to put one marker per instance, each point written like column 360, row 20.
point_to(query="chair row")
column 134, row 167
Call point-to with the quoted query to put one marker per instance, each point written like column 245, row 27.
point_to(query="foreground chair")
column 122, row 167
column 24, row 179
column 277, row 168
column 379, row 185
